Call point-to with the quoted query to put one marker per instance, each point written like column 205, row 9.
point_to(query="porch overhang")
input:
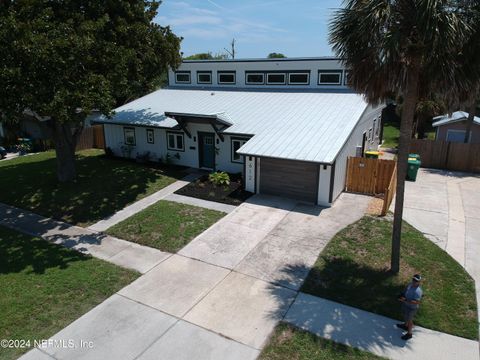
column 219, row 121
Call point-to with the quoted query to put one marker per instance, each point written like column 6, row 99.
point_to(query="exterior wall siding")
column 365, row 123
column 114, row 139
column 443, row 129
column 324, row 185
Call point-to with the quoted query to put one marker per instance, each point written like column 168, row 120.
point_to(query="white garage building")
column 287, row 124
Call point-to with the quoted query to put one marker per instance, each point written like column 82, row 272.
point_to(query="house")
column 452, row 127
column 287, row 124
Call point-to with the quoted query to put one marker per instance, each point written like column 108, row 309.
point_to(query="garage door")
column 294, row 179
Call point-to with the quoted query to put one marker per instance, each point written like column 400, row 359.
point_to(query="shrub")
column 219, row 178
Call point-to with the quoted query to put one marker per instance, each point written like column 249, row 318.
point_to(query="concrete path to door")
column 222, row 295
column 445, row 206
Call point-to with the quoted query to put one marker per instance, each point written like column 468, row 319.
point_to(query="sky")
column 292, row 27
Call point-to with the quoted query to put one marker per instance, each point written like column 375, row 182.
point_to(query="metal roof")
column 456, row 116
column 308, row 126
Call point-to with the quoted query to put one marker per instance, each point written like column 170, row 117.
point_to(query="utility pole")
column 231, row 52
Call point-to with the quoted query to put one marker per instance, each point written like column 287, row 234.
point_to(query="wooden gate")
column 369, row 176
column 98, row 137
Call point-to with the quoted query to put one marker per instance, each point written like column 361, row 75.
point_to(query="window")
column 129, row 135
column 457, row 136
column 182, row 77
column 276, row 79
column 226, row 77
column 298, row 78
column 329, row 77
column 237, row 144
column 374, row 128
column 377, row 131
column 370, row 133
column 175, row 141
column 204, row 77
column 255, row 78
column 150, row 136
column 346, row 80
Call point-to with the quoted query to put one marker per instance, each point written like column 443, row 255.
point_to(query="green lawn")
column 44, row 287
column 103, row 185
column 391, row 134
column 166, row 225
column 353, row 270
column 288, row 343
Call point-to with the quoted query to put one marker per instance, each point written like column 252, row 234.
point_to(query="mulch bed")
column 202, row 188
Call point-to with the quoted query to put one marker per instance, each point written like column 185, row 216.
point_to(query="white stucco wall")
column 324, row 185
column 114, row 139
column 355, row 139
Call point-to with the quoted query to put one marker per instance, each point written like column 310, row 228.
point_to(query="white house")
column 287, row 124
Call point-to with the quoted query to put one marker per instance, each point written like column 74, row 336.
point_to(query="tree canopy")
column 207, row 56
column 62, row 59
column 275, row 55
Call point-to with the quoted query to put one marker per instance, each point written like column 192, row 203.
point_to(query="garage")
column 294, row 179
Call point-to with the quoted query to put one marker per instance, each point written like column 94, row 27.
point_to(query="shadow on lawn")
column 102, row 187
column 340, row 281
column 20, row 252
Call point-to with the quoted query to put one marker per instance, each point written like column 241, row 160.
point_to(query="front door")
column 206, row 147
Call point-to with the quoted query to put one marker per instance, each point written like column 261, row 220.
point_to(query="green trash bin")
column 415, row 156
column 372, row 154
column 413, row 166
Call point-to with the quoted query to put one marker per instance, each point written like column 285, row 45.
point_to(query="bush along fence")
column 375, row 177
column 447, row 155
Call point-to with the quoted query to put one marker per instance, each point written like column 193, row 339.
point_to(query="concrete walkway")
column 222, row 295
column 140, row 205
column 374, row 333
column 212, row 205
column 109, row 248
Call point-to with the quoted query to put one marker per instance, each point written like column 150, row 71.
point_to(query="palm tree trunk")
column 406, row 124
column 471, row 115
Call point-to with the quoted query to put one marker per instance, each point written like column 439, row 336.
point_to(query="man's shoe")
column 402, row 326
column 407, row 337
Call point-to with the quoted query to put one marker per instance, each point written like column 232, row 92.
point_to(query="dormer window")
column 182, row 77
column 204, row 77
column 329, row 77
column 299, row 78
column 276, row 78
column 226, row 77
column 255, row 78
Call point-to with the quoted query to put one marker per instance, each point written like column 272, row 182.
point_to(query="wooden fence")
column 91, row 137
column 372, row 177
column 447, row 155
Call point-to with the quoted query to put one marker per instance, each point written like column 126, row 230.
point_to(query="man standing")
column 410, row 299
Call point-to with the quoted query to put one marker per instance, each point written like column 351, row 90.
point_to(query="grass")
column 166, row 225
column 45, row 287
column 102, row 187
column 353, row 270
column 391, row 134
column 290, row 343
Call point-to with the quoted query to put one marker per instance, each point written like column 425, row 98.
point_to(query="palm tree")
column 407, row 47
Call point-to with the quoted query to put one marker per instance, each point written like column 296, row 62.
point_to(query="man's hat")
column 417, row 277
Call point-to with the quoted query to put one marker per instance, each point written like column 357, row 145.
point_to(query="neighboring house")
column 287, row 124
column 452, row 128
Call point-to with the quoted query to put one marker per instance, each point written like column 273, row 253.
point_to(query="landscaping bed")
column 203, row 188
column 46, row 286
column 103, row 185
column 353, row 269
column 166, row 225
column 288, row 342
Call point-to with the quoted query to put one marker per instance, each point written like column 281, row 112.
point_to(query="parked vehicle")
column 3, row 153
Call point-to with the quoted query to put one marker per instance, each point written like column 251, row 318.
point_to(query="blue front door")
column 207, row 150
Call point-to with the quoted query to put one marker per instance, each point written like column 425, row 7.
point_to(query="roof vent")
column 212, row 93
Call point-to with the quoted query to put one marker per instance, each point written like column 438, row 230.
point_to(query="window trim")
column 330, row 72
column 204, row 73
column 183, row 73
column 232, row 140
column 234, row 73
column 175, row 133
column 254, row 73
column 299, row 73
column 277, row 73
column 125, row 137
column 150, row 131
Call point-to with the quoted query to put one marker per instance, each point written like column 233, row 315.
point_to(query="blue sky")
column 292, row 27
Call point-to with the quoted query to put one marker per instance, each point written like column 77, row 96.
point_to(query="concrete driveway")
column 222, row 295
column 445, row 206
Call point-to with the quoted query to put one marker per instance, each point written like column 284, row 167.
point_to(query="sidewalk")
column 109, row 248
column 140, row 205
column 375, row 333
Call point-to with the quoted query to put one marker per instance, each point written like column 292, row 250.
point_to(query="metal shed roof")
column 456, row 116
column 308, row 126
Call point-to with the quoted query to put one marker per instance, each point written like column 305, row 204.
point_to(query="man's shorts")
column 408, row 312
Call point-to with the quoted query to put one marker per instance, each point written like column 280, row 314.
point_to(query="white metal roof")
column 309, row 126
column 456, row 116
